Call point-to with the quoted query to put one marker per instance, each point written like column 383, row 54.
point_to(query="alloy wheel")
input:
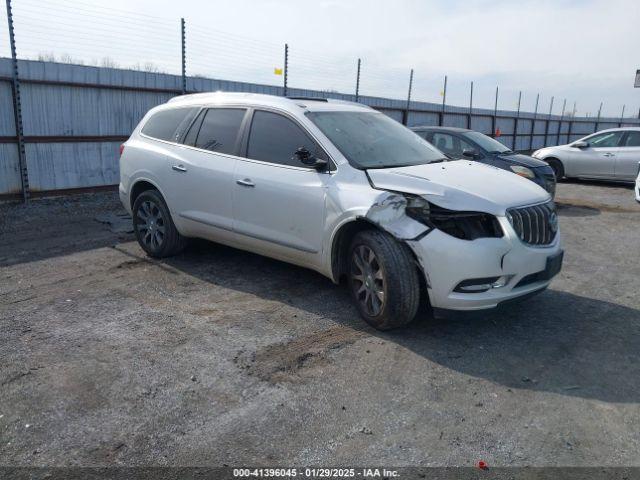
column 367, row 280
column 150, row 224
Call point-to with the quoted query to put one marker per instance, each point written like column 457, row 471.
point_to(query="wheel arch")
column 341, row 241
column 141, row 185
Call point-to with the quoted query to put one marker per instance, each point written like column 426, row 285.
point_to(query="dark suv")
column 460, row 143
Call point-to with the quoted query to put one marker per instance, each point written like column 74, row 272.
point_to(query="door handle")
column 246, row 183
column 179, row 168
column 607, row 154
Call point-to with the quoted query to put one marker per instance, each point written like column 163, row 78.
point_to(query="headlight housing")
column 522, row 171
column 459, row 224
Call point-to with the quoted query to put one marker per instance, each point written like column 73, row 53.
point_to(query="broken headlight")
column 459, row 224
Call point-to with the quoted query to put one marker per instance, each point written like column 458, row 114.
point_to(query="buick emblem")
column 553, row 222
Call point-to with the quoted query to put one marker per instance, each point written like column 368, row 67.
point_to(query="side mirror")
column 470, row 153
column 309, row 160
column 580, row 145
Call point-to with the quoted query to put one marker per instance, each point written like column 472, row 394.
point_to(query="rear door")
column 598, row 160
column 628, row 156
column 203, row 169
column 279, row 203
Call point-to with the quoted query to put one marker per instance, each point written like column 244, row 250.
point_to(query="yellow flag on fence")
column 442, row 93
column 277, row 71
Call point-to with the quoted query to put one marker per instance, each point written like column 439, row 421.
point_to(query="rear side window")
column 275, row 139
column 219, row 130
column 632, row 140
column 164, row 125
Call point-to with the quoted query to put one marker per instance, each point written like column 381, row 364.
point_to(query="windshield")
column 487, row 143
column 373, row 140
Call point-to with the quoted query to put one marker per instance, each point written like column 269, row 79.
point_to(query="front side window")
column 443, row 142
column 275, row 139
column 373, row 140
column 606, row 140
column 219, row 130
column 632, row 140
column 167, row 124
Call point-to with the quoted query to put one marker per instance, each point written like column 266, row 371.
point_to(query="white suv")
column 344, row 190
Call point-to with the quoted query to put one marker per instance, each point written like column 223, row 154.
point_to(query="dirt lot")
column 222, row 357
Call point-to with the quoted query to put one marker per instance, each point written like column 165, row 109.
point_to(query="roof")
column 257, row 99
column 443, row 129
column 633, row 129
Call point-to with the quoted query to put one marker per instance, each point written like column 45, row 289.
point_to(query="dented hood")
column 461, row 185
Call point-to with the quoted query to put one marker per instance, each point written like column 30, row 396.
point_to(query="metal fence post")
column 533, row 123
column 621, row 117
column 444, row 101
column 470, row 107
column 358, row 82
column 17, row 108
column 546, row 125
column 515, row 123
column 494, row 123
column 184, row 56
column 564, row 105
column 598, row 119
column 573, row 114
column 286, row 68
column 405, row 117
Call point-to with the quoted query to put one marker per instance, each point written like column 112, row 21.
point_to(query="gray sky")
column 584, row 51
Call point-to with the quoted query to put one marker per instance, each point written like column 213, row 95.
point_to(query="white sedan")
column 611, row 154
column 638, row 187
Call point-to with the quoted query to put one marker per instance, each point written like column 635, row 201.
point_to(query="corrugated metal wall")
column 61, row 100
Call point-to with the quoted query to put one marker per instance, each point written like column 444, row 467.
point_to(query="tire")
column 557, row 167
column 153, row 226
column 383, row 280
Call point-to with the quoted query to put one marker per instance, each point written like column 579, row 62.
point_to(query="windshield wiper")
column 400, row 165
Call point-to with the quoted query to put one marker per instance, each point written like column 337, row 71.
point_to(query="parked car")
column 606, row 155
column 638, row 186
column 341, row 189
column 461, row 143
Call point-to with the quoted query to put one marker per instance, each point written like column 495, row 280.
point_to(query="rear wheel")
column 383, row 280
column 153, row 226
column 556, row 166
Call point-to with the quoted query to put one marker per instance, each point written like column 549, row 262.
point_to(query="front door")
column 278, row 203
column 598, row 160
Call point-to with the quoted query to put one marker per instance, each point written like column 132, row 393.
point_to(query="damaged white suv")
column 344, row 190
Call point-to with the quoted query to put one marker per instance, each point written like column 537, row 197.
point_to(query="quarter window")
column 633, row 139
column 274, row 138
column 219, row 130
column 167, row 124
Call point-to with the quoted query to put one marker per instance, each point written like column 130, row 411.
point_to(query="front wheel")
column 557, row 167
column 153, row 226
column 383, row 280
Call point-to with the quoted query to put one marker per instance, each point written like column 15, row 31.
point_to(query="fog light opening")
column 479, row 285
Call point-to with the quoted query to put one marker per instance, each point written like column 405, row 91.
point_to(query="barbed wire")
column 78, row 31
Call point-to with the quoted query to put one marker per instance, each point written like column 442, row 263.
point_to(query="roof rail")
column 316, row 99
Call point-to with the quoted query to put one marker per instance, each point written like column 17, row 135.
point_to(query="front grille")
column 535, row 224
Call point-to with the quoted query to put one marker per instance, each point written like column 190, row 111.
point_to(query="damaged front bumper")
column 502, row 269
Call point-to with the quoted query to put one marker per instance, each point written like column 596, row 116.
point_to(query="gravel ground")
column 222, row 357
